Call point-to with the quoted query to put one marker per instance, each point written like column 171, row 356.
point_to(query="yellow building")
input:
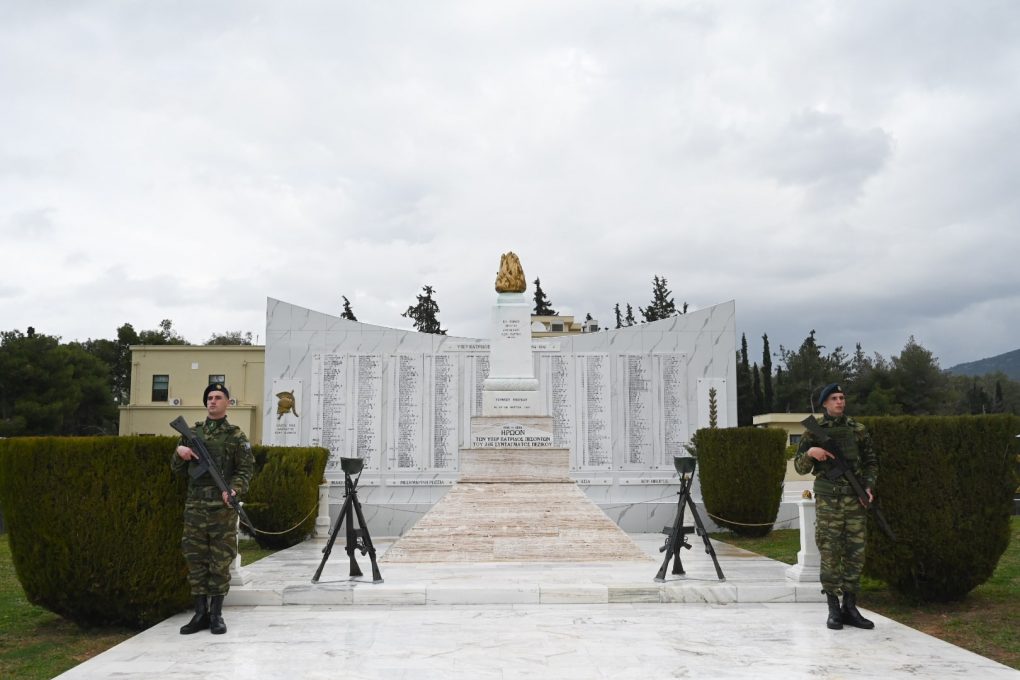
column 786, row 421
column 794, row 431
column 551, row 326
column 168, row 381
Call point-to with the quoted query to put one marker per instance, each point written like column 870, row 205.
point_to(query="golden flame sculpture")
column 510, row 278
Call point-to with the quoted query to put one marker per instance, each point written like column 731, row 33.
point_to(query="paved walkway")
column 548, row 621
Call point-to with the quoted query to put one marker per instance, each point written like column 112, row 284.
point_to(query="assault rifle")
column 357, row 539
column 207, row 464
column 676, row 535
column 840, row 467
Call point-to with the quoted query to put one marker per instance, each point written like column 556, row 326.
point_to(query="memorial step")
column 515, row 522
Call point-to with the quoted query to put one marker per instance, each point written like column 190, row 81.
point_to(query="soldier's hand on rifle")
column 871, row 498
column 226, row 499
column 819, row 454
column 186, row 454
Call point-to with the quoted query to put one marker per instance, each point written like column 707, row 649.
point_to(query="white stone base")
column 515, row 465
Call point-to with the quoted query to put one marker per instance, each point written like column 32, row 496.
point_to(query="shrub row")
column 284, row 494
column 946, row 487
column 95, row 523
column 742, row 471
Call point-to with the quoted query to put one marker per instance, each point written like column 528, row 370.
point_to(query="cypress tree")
column 745, row 398
column 768, row 394
column 758, row 397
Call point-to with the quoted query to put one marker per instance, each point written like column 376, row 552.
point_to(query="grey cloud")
column 820, row 152
column 34, row 223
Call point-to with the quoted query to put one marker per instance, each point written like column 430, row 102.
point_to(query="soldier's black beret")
column 214, row 387
column 827, row 391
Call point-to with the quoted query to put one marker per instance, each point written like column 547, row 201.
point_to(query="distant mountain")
column 1008, row 363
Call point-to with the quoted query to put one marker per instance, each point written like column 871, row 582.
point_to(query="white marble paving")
column 524, row 620
column 285, row 579
column 618, row 641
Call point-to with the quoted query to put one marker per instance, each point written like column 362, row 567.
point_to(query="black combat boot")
column 216, row 625
column 200, row 621
column 851, row 616
column 835, row 620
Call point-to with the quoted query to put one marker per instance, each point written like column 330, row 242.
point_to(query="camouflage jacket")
column 856, row 443
column 230, row 451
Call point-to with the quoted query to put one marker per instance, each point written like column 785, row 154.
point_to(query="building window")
column 217, row 378
column 557, row 327
column 794, row 439
column 160, row 388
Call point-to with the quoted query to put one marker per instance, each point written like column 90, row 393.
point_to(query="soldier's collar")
column 212, row 424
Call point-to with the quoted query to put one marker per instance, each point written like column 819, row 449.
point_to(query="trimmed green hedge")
column 95, row 526
column 742, row 472
column 95, row 523
column 946, row 487
column 284, row 493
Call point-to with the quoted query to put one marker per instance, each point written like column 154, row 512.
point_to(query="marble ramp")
column 514, row 522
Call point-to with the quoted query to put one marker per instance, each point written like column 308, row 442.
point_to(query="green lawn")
column 986, row 622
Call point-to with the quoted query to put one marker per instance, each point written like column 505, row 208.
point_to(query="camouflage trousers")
column 840, row 531
column 209, row 545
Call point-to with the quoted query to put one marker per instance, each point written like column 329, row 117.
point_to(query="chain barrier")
column 286, row 531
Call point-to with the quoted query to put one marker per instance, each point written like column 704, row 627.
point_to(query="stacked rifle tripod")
column 357, row 538
column 676, row 535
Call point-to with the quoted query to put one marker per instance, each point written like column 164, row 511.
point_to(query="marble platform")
column 285, row 579
column 514, row 522
column 387, row 640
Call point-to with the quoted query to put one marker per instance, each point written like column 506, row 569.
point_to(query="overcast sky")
column 852, row 167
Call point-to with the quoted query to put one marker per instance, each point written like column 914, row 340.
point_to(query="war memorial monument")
column 591, row 420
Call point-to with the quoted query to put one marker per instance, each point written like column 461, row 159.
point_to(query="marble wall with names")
column 624, row 401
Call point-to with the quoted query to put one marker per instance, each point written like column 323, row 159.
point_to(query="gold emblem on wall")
column 285, row 403
column 510, row 278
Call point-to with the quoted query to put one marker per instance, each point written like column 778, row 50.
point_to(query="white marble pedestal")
column 239, row 576
column 809, row 561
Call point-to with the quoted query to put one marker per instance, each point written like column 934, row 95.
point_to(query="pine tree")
column 662, row 305
column 619, row 318
column 542, row 303
column 768, row 394
column 348, row 313
column 425, row 314
column 629, row 319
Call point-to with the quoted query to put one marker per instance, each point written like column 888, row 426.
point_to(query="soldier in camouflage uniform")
column 841, row 524
column 210, row 524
